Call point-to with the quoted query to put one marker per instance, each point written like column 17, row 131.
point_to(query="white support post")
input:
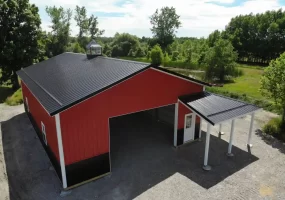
column 207, row 167
column 60, row 149
column 220, row 130
column 200, row 131
column 175, row 125
column 231, row 139
column 250, row 130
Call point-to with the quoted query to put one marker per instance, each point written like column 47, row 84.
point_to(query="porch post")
column 175, row 125
column 231, row 139
column 207, row 167
column 220, row 130
column 250, row 131
column 200, row 131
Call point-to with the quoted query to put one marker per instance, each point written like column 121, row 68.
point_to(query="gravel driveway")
column 145, row 166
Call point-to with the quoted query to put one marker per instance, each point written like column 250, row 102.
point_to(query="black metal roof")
column 216, row 108
column 69, row 78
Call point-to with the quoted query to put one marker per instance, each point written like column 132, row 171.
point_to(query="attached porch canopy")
column 216, row 109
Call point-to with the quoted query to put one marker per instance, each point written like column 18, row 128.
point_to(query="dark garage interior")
column 141, row 135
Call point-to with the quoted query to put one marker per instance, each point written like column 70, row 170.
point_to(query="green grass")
column 8, row 96
column 247, row 84
column 15, row 99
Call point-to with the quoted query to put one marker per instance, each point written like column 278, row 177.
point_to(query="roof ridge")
column 131, row 61
column 55, row 99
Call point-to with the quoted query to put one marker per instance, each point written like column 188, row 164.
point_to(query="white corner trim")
column 175, row 125
column 60, row 149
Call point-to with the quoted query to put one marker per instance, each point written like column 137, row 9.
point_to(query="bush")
column 273, row 127
column 156, row 55
column 238, row 72
column 175, row 55
column 77, row 48
column 15, row 99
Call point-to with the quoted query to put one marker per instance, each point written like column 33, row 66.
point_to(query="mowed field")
column 248, row 83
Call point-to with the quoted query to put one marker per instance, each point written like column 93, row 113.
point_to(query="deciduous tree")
column 164, row 25
column 19, row 38
column 156, row 55
column 220, row 60
column 59, row 36
column 273, row 83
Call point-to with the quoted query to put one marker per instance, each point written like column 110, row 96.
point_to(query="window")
column 188, row 121
column 98, row 51
column 27, row 104
column 44, row 133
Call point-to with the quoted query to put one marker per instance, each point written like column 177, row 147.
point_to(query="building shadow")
column 29, row 171
column 142, row 156
column 5, row 92
column 270, row 140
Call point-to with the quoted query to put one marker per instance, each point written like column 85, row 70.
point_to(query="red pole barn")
column 70, row 99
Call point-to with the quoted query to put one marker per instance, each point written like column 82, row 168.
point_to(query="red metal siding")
column 40, row 115
column 85, row 127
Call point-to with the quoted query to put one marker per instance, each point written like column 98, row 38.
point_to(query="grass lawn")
column 8, row 96
column 247, row 84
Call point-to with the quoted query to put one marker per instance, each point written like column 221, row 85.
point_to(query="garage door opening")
column 138, row 138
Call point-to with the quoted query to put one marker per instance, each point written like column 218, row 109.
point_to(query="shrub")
column 15, row 99
column 156, row 55
column 273, row 127
column 77, row 48
column 175, row 55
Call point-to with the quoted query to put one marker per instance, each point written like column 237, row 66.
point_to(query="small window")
column 44, row 133
column 98, row 51
column 27, row 104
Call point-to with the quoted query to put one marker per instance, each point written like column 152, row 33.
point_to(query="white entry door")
column 189, row 127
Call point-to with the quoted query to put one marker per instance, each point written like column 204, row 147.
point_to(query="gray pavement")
column 145, row 165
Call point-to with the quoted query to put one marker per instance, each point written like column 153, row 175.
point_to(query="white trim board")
column 22, row 82
column 60, row 150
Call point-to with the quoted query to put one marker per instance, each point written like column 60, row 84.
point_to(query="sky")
column 198, row 17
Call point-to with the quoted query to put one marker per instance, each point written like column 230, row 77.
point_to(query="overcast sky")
column 199, row 17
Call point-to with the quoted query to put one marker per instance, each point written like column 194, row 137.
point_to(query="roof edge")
column 182, row 76
column 204, row 117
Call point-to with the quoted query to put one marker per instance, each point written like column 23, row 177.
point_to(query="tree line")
column 249, row 38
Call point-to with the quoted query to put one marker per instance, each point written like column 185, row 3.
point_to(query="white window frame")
column 44, row 133
column 27, row 104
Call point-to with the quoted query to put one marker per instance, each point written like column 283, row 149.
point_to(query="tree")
column 19, row 35
column 164, row 25
column 81, row 20
column 273, row 83
column 213, row 38
column 156, row 55
column 258, row 38
column 59, row 36
column 124, row 44
column 220, row 60
column 93, row 28
column 77, row 48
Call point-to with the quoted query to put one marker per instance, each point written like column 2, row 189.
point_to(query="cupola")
column 93, row 49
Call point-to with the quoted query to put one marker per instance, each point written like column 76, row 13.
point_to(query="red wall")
column 182, row 111
column 40, row 115
column 85, row 127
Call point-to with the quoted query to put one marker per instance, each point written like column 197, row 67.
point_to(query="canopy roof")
column 216, row 108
